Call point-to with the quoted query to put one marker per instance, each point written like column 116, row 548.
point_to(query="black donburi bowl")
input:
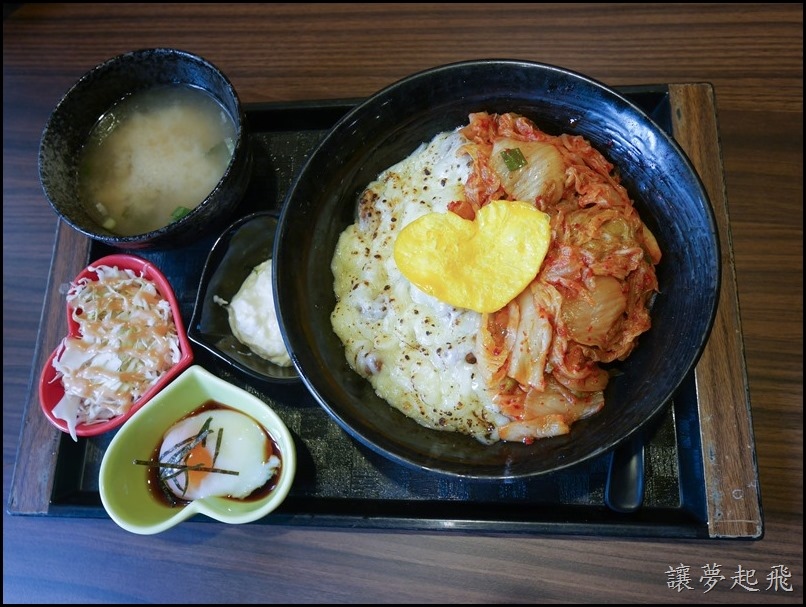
column 386, row 128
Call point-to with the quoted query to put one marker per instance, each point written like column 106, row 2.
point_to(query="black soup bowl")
column 89, row 106
column 384, row 130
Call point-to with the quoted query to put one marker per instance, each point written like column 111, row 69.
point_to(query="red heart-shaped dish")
column 51, row 386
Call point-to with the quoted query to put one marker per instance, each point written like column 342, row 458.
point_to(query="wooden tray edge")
column 34, row 470
column 731, row 476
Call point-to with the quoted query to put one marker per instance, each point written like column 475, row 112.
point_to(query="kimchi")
column 541, row 356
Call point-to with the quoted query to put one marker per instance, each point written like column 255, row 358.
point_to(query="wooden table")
column 749, row 56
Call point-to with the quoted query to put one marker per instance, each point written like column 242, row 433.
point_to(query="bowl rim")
column 212, row 263
column 343, row 127
column 50, row 386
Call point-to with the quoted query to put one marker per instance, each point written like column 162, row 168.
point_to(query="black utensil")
column 624, row 491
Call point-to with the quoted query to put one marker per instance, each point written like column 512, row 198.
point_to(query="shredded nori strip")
column 182, row 467
column 175, row 458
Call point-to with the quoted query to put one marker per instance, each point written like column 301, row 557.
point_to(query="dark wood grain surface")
column 752, row 55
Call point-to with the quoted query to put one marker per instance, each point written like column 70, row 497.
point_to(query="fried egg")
column 236, row 457
column 415, row 350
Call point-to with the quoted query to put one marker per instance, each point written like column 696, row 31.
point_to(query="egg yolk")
column 201, row 457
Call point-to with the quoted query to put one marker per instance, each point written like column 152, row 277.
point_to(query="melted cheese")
column 416, row 351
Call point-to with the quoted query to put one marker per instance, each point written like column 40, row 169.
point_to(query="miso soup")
column 154, row 157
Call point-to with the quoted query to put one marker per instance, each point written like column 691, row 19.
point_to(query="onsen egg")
column 233, row 454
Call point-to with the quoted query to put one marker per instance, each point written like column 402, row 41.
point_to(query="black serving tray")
column 340, row 483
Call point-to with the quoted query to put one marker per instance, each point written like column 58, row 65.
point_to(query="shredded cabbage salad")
column 128, row 340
